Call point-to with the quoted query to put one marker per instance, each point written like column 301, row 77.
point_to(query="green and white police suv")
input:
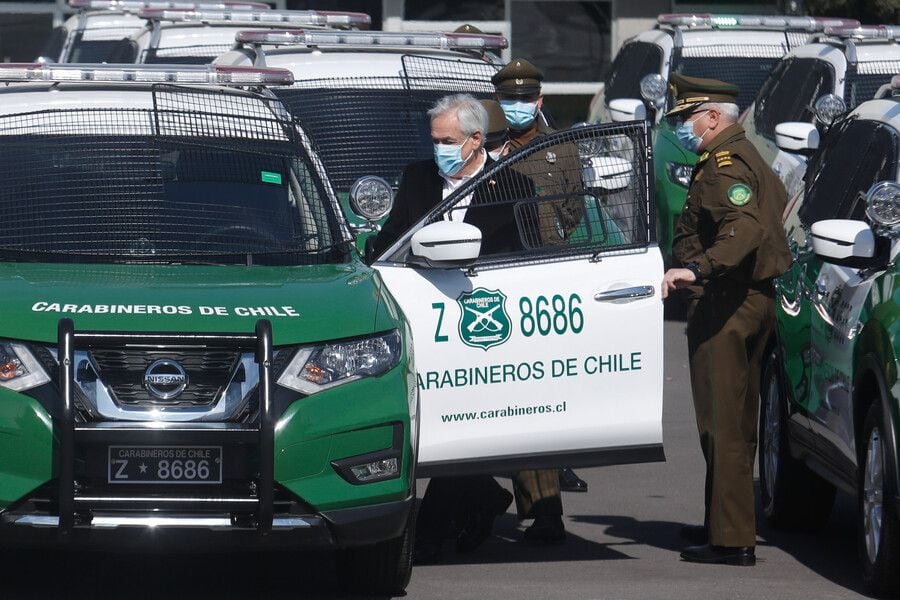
column 191, row 345
column 830, row 415
column 739, row 49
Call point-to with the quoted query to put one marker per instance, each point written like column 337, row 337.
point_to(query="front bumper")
column 142, row 531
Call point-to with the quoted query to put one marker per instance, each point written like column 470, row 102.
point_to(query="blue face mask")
column 448, row 158
column 689, row 140
column 519, row 114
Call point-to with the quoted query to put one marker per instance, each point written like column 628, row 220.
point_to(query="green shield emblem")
column 483, row 320
column 739, row 194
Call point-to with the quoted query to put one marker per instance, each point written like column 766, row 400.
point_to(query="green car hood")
column 304, row 304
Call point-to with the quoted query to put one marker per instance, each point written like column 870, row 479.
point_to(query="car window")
column 841, row 172
column 564, row 194
column 878, row 164
column 790, row 92
column 53, row 46
column 633, row 62
column 860, row 87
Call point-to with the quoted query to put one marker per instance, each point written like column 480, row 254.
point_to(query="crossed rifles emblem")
column 484, row 321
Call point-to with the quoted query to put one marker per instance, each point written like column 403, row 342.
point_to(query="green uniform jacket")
column 731, row 225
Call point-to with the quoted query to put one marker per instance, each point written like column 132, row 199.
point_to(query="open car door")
column 547, row 349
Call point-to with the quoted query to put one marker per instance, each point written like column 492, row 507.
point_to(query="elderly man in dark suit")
column 458, row 125
column 464, row 507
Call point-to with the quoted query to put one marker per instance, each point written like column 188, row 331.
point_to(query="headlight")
column 318, row 368
column 19, row 369
column 883, row 204
column 679, row 173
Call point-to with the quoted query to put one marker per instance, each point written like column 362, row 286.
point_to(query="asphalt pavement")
column 623, row 543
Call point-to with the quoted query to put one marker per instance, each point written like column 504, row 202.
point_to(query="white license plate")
column 165, row 464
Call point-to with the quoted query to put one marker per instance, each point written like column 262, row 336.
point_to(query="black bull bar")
column 259, row 342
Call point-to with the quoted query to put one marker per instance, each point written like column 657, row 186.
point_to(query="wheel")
column 879, row 538
column 382, row 568
column 792, row 496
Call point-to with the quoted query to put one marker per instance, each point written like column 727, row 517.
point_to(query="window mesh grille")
column 202, row 176
column 579, row 191
column 377, row 125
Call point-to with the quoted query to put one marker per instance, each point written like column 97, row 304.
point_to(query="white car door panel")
column 541, row 360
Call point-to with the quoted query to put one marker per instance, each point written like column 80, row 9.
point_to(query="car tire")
column 791, row 495
column 879, row 527
column 382, row 568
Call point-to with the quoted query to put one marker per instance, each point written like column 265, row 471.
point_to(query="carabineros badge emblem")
column 483, row 322
column 739, row 194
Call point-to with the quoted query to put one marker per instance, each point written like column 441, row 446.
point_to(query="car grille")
column 122, row 370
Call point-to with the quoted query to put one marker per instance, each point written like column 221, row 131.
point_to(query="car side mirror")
column 627, row 109
column 843, row 242
column 447, row 244
column 797, row 137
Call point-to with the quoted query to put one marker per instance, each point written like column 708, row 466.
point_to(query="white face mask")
column 498, row 153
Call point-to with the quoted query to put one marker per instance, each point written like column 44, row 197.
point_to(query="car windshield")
column 96, row 51
column 200, row 54
column 98, row 196
column 860, row 87
column 748, row 73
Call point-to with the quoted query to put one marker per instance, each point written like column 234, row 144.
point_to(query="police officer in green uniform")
column 731, row 243
column 554, row 170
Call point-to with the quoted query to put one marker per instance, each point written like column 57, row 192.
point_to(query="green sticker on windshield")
column 270, row 177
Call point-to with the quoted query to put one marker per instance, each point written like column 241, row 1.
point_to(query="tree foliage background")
column 866, row 11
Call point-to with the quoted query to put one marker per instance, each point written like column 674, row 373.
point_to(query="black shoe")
column 480, row 523
column 426, row 552
column 570, row 482
column 720, row 555
column 695, row 534
column 546, row 530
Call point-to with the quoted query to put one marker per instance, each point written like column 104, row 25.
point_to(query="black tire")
column 792, row 496
column 879, row 561
column 382, row 568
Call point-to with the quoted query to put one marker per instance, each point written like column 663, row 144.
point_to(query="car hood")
column 304, row 304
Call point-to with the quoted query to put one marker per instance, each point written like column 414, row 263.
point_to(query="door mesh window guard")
column 581, row 191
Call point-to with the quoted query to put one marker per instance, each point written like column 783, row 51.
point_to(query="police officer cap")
column 691, row 92
column 497, row 125
column 518, row 78
column 466, row 28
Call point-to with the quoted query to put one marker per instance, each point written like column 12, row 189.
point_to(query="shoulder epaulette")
column 723, row 158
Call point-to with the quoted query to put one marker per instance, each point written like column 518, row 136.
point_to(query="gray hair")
column 728, row 110
column 470, row 112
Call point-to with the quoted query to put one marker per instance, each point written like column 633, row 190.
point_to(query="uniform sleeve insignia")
column 739, row 194
column 723, row 158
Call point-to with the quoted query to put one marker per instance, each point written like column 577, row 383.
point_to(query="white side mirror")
column 796, row 137
column 447, row 244
column 607, row 172
column 627, row 109
column 840, row 239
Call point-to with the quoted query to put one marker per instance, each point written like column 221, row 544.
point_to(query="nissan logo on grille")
column 165, row 379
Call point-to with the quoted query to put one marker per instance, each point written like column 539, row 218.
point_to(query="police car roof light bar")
column 444, row 41
column 130, row 73
column 866, row 32
column 296, row 17
column 138, row 5
column 753, row 21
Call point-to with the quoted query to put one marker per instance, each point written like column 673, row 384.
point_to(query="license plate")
column 165, row 464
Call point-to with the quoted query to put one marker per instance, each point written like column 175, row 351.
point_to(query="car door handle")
column 629, row 293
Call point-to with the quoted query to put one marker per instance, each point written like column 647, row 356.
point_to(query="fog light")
column 377, row 470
